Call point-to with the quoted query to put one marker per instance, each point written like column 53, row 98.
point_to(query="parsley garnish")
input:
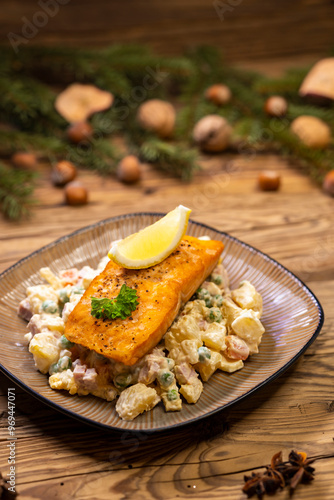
column 120, row 307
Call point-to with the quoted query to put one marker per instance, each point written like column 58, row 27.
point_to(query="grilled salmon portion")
column 161, row 289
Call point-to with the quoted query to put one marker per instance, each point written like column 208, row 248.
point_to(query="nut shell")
column 79, row 132
column 312, row 131
column 328, row 184
column 129, row 170
column 63, row 172
column 23, row 159
column 219, row 94
column 212, row 133
column 76, row 194
column 276, row 106
column 318, row 85
column 157, row 116
column 269, row 180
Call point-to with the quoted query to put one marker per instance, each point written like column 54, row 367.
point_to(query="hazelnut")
column 63, row 172
column 269, row 180
column 79, row 132
column 212, row 133
column 276, row 106
column 128, row 169
column 328, row 184
column 218, row 94
column 312, row 131
column 22, row 159
column 76, row 193
column 158, row 117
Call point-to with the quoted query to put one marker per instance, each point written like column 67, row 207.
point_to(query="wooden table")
column 57, row 457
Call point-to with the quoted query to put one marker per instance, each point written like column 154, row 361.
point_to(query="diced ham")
column 185, row 373
column 35, row 324
column 149, row 371
column 236, row 348
column 24, row 310
column 85, row 377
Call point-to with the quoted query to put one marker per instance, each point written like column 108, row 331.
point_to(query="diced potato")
column 247, row 297
column 63, row 380
column 230, row 365
column 135, row 400
column 192, row 392
column 38, row 294
column 207, row 369
column 211, row 287
column 248, row 327
column 190, row 351
column 171, row 398
column 214, row 336
column 51, row 322
column 87, row 274
column 230, row 311
column 51, row 278
column 186, row 328
column 45, row 348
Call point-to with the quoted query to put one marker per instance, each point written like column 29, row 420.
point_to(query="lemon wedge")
column 152, row 244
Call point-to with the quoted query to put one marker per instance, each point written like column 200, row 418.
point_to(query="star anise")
column 279, row 474
column 299, row 469
column 260, row 483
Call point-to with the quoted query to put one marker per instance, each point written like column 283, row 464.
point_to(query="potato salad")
column 217, row 329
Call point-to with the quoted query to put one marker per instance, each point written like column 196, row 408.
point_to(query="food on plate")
column 161, row 290
column 143, row 336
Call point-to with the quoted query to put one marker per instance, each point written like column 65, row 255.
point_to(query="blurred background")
column 242, row 29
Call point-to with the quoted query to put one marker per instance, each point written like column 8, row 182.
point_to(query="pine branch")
column 16, row 188
column 171, row 158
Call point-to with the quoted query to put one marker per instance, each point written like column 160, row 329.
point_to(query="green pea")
column 172, row 395
column 50, row 307
column 63, row 364
column 218, row 300
column 203, row 294
column 65, row 343
column 217, row 279
column 122, row 380
column 203, row 354
column 166, row 379
column 214, row 315
column 170, row 362
column 63, row 295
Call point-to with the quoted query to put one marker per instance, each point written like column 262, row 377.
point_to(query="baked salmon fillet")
column 161, row 289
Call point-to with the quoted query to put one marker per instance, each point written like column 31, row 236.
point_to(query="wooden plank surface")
column 58, row 457
column 243, row 29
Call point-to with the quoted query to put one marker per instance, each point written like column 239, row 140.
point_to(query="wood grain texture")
column 58, row 457
column 243, row 29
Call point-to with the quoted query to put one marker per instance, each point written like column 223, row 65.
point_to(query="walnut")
column 212, row 133
column 157, row 116
column 312, row 131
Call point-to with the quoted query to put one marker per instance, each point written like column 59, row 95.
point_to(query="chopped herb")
column 120, row 307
